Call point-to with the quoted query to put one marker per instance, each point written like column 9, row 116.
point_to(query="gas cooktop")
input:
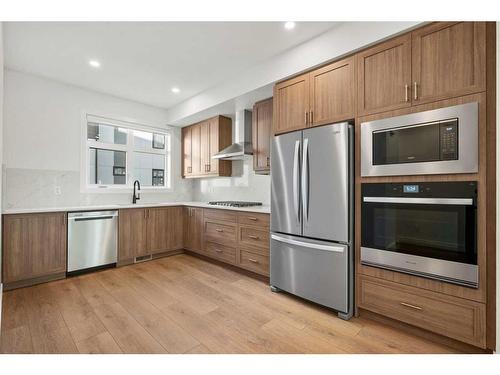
column 235, row 203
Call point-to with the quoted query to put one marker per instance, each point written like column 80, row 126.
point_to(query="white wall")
column 42, row 131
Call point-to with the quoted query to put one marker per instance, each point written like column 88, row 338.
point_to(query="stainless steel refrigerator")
column 312, row 215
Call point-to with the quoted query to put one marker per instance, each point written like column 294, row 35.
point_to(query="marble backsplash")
column 35, row 188
column 245, row 185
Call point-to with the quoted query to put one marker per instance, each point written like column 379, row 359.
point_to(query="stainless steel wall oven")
column 427, row 229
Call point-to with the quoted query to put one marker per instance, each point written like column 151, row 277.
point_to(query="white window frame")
column 86, row 144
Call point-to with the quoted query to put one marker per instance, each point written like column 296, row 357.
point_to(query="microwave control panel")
column 448, row 138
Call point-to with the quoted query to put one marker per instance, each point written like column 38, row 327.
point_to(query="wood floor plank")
column 170, row 335
column 16, row 341
column 184, row 304
column 102, row 343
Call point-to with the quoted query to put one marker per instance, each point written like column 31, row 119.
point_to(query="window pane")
column 107, row 167
column 106, row 133
column 149, row 169
column 143, row 140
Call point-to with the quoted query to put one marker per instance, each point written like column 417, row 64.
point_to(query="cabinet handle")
column 267, row 161
column 406, row 94
column 219, row 230
column 305, row 117
column 311, row 117
column 252, row 218
column 253, row 260
column 218, row 251
column 411, row 306
column 253, row 237
column 145, row 214
column 415, row 91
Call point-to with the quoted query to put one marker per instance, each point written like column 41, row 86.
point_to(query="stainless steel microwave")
column 439, row 141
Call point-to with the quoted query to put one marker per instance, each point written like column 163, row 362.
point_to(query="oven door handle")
column 447, row 201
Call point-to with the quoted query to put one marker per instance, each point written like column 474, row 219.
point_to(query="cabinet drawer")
column 219, row 232
column 457, row 318
column 255, row 262
column 249, row 218
column 215, row 214
column 254, row 237
column 222, row 252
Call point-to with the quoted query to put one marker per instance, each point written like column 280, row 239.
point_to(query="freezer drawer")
column 311, row 269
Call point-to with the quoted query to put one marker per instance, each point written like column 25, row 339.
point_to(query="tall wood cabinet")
column 200, row 142
column 262, row 120
column 149, row 231
column 34, row 246
column 323, row 96
column 439, row 61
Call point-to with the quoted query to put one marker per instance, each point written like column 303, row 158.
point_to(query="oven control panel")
column 452, row 189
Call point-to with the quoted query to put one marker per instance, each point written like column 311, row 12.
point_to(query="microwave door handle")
column 296, row 201
column 405, row 200
column 305, row 179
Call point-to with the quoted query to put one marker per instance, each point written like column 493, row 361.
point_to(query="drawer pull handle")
column 253, row 237
column 253, row 260
column 252, row 218
column 218, row 251
column 219, row 230
column 411, row 306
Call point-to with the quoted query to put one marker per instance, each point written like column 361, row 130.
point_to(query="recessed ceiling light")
column 94, row 63
column 176, row 90
column 289, row 25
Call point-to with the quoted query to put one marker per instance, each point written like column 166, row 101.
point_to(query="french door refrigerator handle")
column 296, row 202
column 305, row 179
column 336, row 249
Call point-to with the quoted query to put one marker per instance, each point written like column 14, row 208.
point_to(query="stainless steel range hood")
column 242, row 136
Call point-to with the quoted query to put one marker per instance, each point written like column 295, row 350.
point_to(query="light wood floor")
column 183, row 304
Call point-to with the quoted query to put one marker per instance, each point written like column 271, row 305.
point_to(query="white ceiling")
column 142, row 61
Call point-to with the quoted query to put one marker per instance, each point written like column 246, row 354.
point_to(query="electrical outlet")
column 57, row 190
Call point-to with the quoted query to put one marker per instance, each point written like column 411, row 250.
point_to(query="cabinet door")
column 291, row 100
column 262, row 119
column 448, row 59
column 333, row 92
column 187, row 167
column 196, row 150
column 193, row 228
column 204, row 147
column 164, row 229
column 384, row 76
column 34, row 245
column 213, row 136
column 132, row 233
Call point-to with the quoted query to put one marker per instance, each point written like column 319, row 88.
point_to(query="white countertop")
column 257, row 209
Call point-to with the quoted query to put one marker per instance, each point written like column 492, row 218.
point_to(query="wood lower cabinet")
column 193, row 228
column 262, row 122
column 449, row 316
column 203, row 140
column 34, row 247
column 384, row 76
column 148, row 231
column 235, row 237
column 448, row 60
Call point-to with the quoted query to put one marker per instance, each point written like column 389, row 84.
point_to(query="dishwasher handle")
column 87, row 218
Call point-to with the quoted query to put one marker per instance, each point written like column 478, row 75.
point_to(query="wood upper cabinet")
column 34, row 245
column 291, row 104
column 448, row 59
column 262, row 120
column 164, row 229
column 384, row 76
column 204, row 140
column 193, row 227
column 333, row 92
column 187, row 152
column 146, row 231
column 132, row 233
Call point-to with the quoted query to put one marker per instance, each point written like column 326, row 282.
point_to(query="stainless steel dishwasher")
column 92, row 239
